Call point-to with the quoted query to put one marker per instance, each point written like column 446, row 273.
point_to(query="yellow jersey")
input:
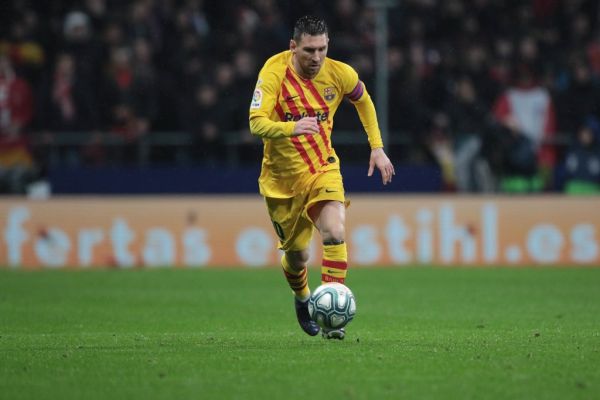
column 281, row 98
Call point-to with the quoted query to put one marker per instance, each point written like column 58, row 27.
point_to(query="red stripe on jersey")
column 294, row 109
column 323, row 105
column 317, row 96
column 311, row 140
column 303, row 154
column 280, row 111
column 335, row 264
column 289, row 100
column 296, row 141
column 309, row 109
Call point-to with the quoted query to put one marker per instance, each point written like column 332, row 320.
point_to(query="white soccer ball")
column 332, row 305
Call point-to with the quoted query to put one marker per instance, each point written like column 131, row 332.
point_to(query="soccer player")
column 296, row 96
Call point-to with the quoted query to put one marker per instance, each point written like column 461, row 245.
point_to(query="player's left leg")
column 329, row 217
column 326, row 209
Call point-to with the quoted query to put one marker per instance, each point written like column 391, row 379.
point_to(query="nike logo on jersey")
column 288, row 98
column 330, row 191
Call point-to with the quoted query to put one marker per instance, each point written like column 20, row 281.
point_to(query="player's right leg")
column 294, row 234
column 295, row 271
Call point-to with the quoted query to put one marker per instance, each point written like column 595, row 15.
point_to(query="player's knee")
column 297, row 259
column 334, row 233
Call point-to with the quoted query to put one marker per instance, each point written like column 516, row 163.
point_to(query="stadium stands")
column 151, row 84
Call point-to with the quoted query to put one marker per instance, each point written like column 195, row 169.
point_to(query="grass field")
column 231, row 334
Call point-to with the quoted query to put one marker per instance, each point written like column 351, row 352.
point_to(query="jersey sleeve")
column 355, row 90
column 263, row 107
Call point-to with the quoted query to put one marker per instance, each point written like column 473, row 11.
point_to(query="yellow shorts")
column 290, row 216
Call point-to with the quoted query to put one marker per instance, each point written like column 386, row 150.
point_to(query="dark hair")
column 309, row 25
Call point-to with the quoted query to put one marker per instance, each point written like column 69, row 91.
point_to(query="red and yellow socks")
column 298, row 280
column 333, row 269
column 335, row 262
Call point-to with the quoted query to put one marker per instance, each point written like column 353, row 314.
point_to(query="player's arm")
column 368, row 117
column 264, row 101
column 367, row 114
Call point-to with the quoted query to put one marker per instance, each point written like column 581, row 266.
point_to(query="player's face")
column 309, row 54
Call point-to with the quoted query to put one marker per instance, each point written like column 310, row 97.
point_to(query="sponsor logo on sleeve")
column 256, row 99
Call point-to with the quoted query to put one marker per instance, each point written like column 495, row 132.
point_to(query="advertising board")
column 233, row 231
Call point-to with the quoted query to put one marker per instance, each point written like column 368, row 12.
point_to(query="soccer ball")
column 332, row 305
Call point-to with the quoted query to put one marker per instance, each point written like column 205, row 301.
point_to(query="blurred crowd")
column 503, row 95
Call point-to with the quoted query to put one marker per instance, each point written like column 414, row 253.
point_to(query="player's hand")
column 306, row 126
column 380, row 160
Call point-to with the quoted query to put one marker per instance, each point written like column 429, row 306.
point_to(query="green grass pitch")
column 420, row 333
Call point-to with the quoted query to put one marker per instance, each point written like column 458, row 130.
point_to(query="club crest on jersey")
column 329, row 93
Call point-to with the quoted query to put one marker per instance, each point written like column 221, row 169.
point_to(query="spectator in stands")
column 499, row 74
column 17, row 166
column 438, row 139
column 579, row 99
column 476, row 66
column 81, row 43
column 67, row 103
column 582, row 162
column 433, row 46
column 592, row 51
column 344, row 24
column 144, row 23
column 273, row 32
column 408, row 112
column 98, row 14
column 201, row 120
column 244, row 64
column 469, row 126
column 226, row 91
column 113, row 35
column 190, row 62
column 131, row 95
column 526, row 112
column 131, row 91
column 23, row 46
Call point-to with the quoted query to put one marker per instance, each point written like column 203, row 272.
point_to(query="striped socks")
column 298, row 280
column 335, row 264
